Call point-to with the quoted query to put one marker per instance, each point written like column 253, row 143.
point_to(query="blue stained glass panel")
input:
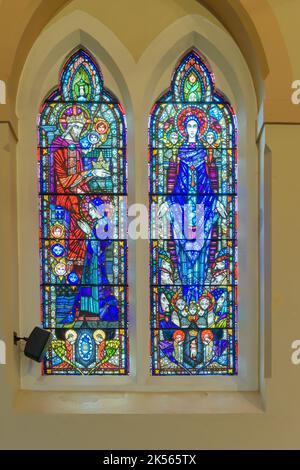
column 193, row 219
column 82, row 166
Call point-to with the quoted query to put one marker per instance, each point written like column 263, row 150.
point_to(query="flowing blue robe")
column 96, row 295
column 192, row 187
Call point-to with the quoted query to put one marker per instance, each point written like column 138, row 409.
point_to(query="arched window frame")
column 66, row 197
column 214, row 114
column 155, row 66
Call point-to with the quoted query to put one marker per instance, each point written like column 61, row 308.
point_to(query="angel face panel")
column 87, row 352
column 214, row 309
column 193, row 351
column 83, row 212
column 193, row 251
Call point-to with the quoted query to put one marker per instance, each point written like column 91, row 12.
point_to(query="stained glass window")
column 193, row 248
column 83, row 207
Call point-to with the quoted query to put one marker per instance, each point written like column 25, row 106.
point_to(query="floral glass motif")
column 83, row 248
column 193, row 264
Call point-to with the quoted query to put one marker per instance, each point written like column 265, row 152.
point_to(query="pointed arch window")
column 193, row 251
column 83, row 207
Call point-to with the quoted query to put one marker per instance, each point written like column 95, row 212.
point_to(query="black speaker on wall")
column 37, row 343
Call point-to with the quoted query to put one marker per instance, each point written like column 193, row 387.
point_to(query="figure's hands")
column 220, row 302
column 175, row 319
column 221, row 209
column 218, row 280
column 86, row 175
column 163, row 209
column 168, row 153
column 100, row 172
column 84, row 227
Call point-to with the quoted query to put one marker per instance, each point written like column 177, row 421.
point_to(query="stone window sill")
column 139, row 402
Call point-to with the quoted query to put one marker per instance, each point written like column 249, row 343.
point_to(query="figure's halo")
column 72, row 113
column 199, row 114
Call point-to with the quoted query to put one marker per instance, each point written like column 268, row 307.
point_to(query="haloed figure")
column 192, row 189
column 97, row 300
column 69, row 177
column 178, row 338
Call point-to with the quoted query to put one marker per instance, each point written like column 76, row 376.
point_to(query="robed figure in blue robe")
column 194, row 208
